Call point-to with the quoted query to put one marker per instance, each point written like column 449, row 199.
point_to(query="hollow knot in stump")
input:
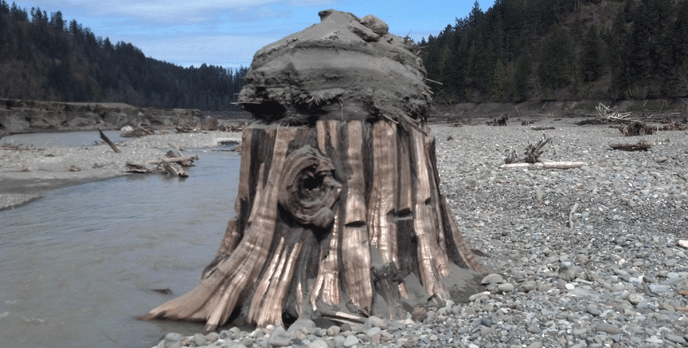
column 308, row 189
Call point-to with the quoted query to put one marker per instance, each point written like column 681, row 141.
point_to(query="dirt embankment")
column 25, row 116
column 658, row 109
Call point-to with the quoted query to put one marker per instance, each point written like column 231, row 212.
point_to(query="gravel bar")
column 610, row 273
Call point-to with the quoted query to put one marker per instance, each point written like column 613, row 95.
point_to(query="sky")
column 228, row 32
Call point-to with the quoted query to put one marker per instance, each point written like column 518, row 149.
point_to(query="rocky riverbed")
column 27, row 171
column 614, row 277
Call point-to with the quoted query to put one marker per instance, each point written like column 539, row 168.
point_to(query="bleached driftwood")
column 174, row 160
column 170, row 166
column 545, row 165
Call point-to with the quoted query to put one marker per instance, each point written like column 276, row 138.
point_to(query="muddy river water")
column 77, row 266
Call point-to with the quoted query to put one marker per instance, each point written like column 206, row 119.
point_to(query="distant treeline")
column 45, row 57
column 522, row 50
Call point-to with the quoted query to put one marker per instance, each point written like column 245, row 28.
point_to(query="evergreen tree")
column 498, row 82
column 680, row 46
column 556, row 60
column 4, row 8
column 591, row 61
column 520, row 81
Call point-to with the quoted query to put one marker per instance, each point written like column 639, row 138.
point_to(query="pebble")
column 634, row 299
column 492, row 279
column 675, row 338
column 279, row 337
column 608, row 328
column 609, row 280
column 199, row 339
column 592, row 309
column 350, row 341
column 318, row 344
column 658, row 288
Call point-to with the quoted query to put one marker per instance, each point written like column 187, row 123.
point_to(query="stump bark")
column 331, row 217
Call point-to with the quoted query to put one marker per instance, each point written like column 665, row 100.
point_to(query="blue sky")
column 228, row 32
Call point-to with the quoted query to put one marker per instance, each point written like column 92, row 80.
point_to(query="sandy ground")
column 28, row 172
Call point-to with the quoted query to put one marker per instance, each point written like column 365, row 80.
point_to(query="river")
column 78, row 265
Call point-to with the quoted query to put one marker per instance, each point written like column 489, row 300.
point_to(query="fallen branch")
column 175, row 160
column 137, row 168
column 640, row 146
column 342, row 317
column 174, row 170
column 176, row 148
column 545, row 165
column 605, row 112
column 169, row 166
column 107, row 140
column 541, row 128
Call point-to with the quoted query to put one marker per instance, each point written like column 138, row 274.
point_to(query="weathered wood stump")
column 339, row 211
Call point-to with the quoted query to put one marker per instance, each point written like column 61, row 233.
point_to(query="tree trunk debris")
column 499, row 121
column 531, row 154
column 107, row 140
column 635, row 129
column 640, row 146
column 541, row 128
column 672, row 126
column 169, row 166
column 545, row 165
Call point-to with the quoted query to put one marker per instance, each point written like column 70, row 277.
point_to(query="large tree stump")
column 314, row 203
column 339, row 211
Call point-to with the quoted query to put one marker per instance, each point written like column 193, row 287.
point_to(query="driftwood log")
column 545, row 165
column 107, row 140
column 640, row 146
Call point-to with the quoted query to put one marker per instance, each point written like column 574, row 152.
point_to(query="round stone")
column 492, row 279
column 506, row 287
column 350, row 341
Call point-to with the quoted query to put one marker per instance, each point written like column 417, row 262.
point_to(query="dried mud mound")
column 343, row 67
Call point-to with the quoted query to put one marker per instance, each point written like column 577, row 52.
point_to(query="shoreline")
column 27, row 173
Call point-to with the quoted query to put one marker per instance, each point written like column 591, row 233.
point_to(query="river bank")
column 26, row 171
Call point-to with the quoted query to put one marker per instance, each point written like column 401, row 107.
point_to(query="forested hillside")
column 44, row 57
column 538, row 50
